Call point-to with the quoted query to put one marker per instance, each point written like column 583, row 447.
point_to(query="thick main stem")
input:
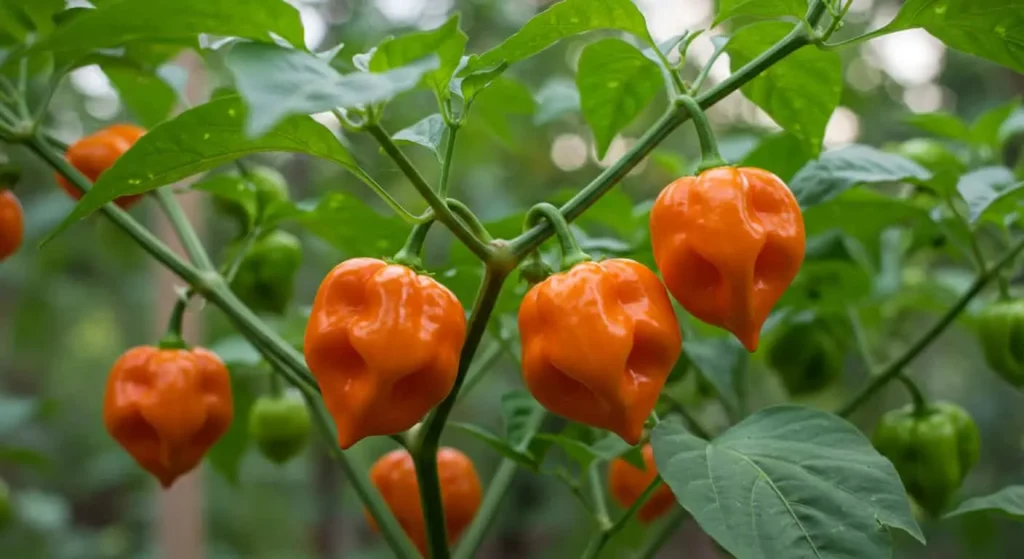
column 893, row 369
column 425, row 449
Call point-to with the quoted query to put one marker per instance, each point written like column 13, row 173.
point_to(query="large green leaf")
column 940, row 124
column 863, row 215
column 198, row 140
column 564, row 19
column 448, row 42
column 992, row 29
column 1008, row 501
column 343, row 220
column 428, row 132
column 787, row 482
column 616, row 82
column 276, row 82
column 172, row 21
column 839, row 170
column 800, row 92
column 148, row 97
column 759, row 8
column 783, row 154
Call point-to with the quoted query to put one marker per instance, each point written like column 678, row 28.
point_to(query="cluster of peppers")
column 599, row 339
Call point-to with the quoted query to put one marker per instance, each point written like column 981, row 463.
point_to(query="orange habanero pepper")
column 12, row 223
column 598, row 341
column 383, row 343
column 394, row 475
column 627, row 483
column 728, row 243
column 167, row 407
column 97, row 152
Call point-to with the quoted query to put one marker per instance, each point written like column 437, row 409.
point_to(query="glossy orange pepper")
column 97, row 152
column 728, row 243
column 394, row 475
column 627, row 483
column 598, row 343
column 12, row 223
column 383, row 343
column 167, row 407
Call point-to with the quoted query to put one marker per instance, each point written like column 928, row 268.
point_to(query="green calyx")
column 265, row 278
column 807, row 357
column 280, row 425
column 1001, row 331
column 932, row 451
column 533, row 269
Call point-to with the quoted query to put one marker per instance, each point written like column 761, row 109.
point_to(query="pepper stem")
column 409, row 255
column 920, row 404
column 533, row 269
column 173, row 338
column 708, row 145
column 571, row 253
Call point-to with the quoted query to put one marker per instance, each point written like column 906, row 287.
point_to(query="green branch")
column 441, row 210
column 179, row 222
column 892, row 370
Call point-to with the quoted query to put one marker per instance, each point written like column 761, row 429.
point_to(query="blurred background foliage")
column 67, row 311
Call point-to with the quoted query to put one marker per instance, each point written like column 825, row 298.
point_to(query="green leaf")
column 428, row 133
column 198, row 140
column 172, row 21
column 829, row 285
column 577, row 451
column 863, row 215
column 343, row 220
column 564, row 19
column 495, row 105
column 839, row 170
column 147, row 96
column 985, row 130
column 20, row 19
column 981, row 187
column 518, row 408
column 276, row 82
column 722, row 362
column 1012, row 126
column 448, row 42
column 992, row 29
column 760, row 8
column 226, row 456
column 556, row 98
column 616, row 83
column 787, row 482
column 940, row 124
column 783, row 154
column 24, row 457
column 234, row 188
column 470, row 85
column 612, row 447
column 1008, row 501
column 497, row 443
column 236, row 351
column 800, row 92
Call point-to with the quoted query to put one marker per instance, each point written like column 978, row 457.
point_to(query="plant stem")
column 706, row 70
column 480, row 368
column 920, row 404
column 863, row 347
column 179, row 221
column 469, row 219
column 709, row 156
column 571, row 253
column 664, row 533
column 411, row 251
column 609, row 533
column 893, row 369
column 446, row 163
column 172, row 338
column 425, row 449
column 597, row 497
column 441, row 210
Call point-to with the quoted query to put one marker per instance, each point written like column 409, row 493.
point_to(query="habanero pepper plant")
column 790, row 249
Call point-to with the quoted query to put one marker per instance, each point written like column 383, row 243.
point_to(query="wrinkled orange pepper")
column 728, row 243
column 394, row 475
column 97, row 152
column 627, row 483
column 167, row 407
column 598, row 342
column 383, row 343
column 12, row 223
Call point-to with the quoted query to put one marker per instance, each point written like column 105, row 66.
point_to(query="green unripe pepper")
column 266, row 277
column 932, row 450
column 1001, row 329
column 807, row 356
column 270, row 186
column 280, row 425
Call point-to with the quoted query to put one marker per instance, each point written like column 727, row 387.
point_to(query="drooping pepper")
column 598, row 342
column 383, row 342
column 280, row 425
column 265, row 278
column 1001, row 330
column 808, row 357
column 12, row 223
column 728, row 243
column 932, row 446
column 394, row 475
column 97, row 152
column 627, row 483
column 167, row 407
